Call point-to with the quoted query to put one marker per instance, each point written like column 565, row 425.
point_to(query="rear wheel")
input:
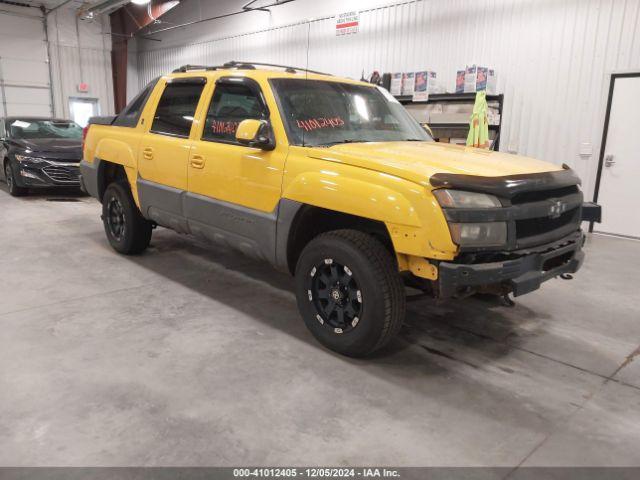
column 127, row 230
column 14, row 189
column 349, row 292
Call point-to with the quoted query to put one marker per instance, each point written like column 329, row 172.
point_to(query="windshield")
column 31, row 129
column 321, row 113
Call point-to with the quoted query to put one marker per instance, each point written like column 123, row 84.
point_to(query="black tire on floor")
column 14, row 190
column 349, row 292
column 127, row 230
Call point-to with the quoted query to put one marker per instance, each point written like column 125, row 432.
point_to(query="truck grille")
column 527, row 197
column 70, row 174
column 543, row 226
column 530, row 227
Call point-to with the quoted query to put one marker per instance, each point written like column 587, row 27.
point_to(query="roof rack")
column 245, row 66
column 188, row 68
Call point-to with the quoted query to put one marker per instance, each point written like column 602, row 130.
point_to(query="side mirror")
column 255, row 133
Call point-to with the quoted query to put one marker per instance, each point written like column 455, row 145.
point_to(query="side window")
column 3, row 134
column 176, row 109
column 230, row 105
column 131, row 114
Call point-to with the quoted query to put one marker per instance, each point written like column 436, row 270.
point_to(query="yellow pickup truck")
column 332, row 180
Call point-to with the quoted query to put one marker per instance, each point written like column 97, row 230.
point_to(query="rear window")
column 177, row 106
column 131, row 114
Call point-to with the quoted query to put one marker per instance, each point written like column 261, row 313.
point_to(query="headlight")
column 486, row 234
column 460, row 199
column 24, row 158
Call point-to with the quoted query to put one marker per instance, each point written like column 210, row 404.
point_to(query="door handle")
column 197, row 161
column 609, row 161
column 147, row 153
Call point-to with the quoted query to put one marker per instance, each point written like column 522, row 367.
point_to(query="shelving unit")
column 458, row 130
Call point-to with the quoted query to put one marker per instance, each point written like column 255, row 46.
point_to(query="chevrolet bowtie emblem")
column 557, row 209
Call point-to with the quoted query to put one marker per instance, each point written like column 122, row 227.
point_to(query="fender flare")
column 116, row 151
column 353, row 197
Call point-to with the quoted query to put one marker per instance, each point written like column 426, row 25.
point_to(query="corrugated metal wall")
column 553, row 59
column 80, row 53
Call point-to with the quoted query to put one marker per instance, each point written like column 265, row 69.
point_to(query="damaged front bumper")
column 518, row 275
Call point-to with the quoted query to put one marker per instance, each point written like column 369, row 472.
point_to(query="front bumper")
column 520, row 275
column 50, row 174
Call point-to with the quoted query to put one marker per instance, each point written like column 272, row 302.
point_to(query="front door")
column 164, row 151
column 234, row 190
column 618, row 193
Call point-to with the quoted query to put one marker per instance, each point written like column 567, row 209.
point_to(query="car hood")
column 418, row 161
column 54, row 148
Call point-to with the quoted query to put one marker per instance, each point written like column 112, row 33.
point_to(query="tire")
column 352, row 276
column 127, row 230
column 14, row 190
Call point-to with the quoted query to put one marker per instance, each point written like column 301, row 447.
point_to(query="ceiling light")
column 140, row 2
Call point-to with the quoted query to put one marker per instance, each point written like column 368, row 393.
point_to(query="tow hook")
column 507, row 301
column 566, row 276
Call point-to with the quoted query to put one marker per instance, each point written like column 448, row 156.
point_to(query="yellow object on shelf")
column 479, row 124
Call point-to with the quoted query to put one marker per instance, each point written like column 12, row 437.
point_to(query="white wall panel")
column 80, row 52
column 24, row 67
column 553, row 57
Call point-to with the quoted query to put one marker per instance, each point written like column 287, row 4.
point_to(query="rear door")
column 164, row 152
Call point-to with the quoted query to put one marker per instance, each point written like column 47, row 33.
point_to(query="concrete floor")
column 189, row 355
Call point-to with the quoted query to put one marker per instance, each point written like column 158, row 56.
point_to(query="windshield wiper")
column 339, row 142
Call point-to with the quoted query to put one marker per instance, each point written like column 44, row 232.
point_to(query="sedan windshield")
column 31, row 129
column 321, row 113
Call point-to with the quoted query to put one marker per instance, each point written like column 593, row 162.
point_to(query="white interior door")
column 619, row 193
column 82, row 109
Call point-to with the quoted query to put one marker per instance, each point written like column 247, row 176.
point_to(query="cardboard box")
column 425, row 83
column 478, row 79
column 396, row 84
column 460, row 75
column 408, row 83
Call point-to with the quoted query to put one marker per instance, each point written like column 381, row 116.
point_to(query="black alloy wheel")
column 336, row 296
column 116, row 218
column 127, row 230
column 349, row 292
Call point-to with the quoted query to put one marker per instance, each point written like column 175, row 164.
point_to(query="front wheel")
column 13, row 188
column 349, row 292
column 127, row 230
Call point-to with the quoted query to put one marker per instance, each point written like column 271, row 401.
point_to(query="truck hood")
column 418, row 161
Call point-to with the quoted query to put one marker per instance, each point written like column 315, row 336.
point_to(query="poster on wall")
column 347, row 23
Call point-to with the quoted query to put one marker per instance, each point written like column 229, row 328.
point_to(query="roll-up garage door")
column 24, row 72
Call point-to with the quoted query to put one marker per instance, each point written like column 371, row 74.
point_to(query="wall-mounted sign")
column 347, row 23
column 83, row 87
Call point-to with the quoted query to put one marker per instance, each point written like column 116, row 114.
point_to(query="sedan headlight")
column 460, row 199
column 24, row 158
column 484, row 234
